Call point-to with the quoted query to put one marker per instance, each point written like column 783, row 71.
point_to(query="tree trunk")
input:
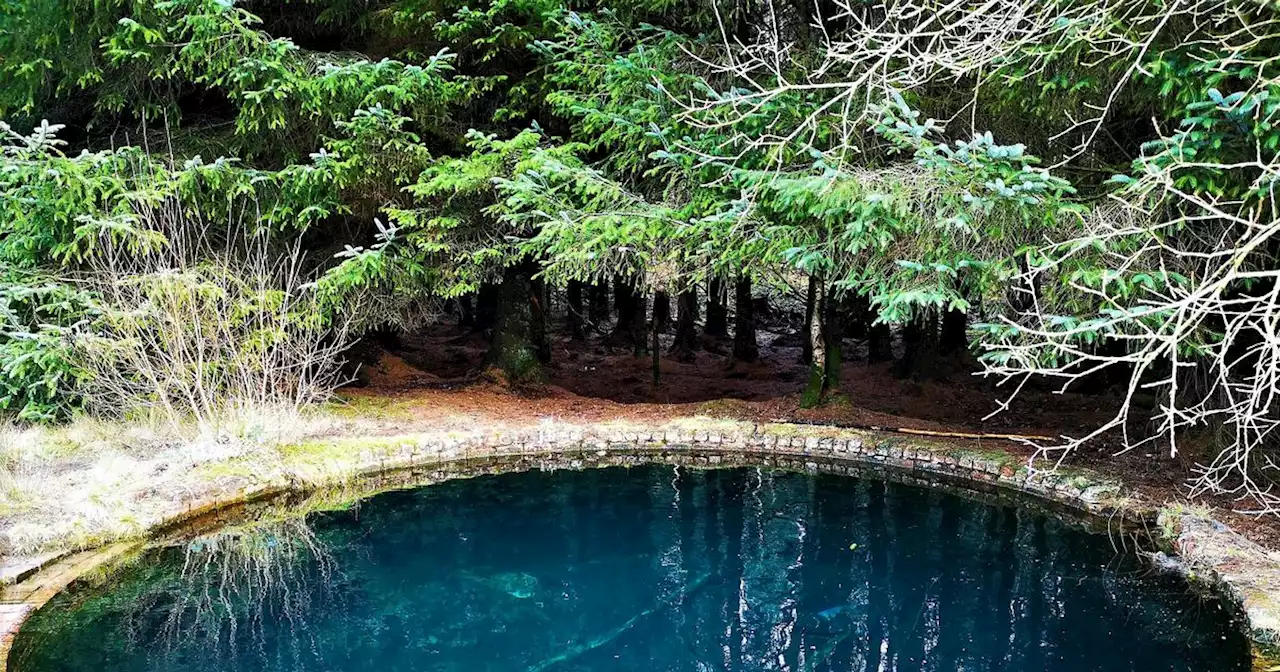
column 858, row 316
column 624, row 306
column 467, row 316
column 817, row 385
column 744, row 322
column 632, row 316
column 686, row 341
column 912, row 335
column 598, row 303
column 486, row 307
column 954, row 339
column 833, row 331
column 540, row 308
column 717, row 325
column 661, row 311
column 622, row 293
column 806, row 351
column 920, row 346
column 880, row 343
column 518, row 344
column 655, row 349
column 577, row 331
column 639, row 333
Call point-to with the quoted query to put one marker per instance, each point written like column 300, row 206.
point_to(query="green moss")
column 327, row 451
column 1266, row 657
column 699, row 423
column 723, row 408
column 522, row 366
column 804, row 431
column 813, row 391
column 839, row 400
column 12, row 499
column 1169, row 519
column 985, row 455
column 132, row 554
column 240, row 467
column 368, row 406
column 338, row 497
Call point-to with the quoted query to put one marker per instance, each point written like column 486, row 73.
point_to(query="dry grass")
column 92, row 481
column 53, row 477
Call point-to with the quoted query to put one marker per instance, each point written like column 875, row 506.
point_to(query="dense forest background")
column 204, row 202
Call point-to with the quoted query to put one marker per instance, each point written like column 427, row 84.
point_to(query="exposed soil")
column 433, row 377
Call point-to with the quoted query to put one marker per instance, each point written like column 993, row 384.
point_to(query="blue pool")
column 641, row 569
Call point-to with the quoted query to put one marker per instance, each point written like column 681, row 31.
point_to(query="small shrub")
column 216, row 329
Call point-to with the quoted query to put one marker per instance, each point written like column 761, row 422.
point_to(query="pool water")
column 641, row 569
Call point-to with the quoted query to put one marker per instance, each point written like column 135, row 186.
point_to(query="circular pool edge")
column 988, row 475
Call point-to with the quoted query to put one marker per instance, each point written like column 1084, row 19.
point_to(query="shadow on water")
column 641, row 569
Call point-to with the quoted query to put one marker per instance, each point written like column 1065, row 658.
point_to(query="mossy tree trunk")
column 518, row 346
column 825, row 338
column 745, row 348
column 686, row 341
column 833, row 332
column 717, row 325
column 806, row 348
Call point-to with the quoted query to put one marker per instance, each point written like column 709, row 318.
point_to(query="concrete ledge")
column 363, row 467
column 13, row 570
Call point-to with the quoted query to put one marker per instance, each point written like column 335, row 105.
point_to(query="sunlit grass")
column 91, row 481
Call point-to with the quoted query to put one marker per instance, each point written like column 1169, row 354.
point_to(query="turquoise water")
column 642, row 569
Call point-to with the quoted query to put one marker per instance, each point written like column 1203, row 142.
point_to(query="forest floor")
column 92, row 482
column 430, row 378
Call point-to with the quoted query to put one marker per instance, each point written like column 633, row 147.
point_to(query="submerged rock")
column 516, row 584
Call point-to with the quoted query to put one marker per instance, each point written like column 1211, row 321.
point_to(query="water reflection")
column 642, row 569
column 244, row 589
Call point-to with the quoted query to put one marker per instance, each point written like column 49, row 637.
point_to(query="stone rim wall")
column 991, row 475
